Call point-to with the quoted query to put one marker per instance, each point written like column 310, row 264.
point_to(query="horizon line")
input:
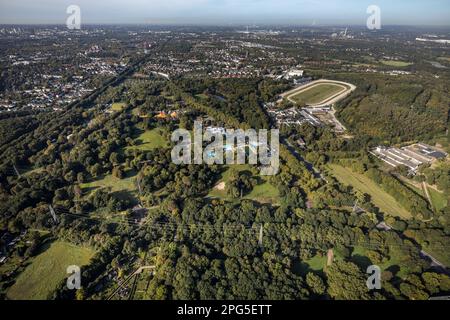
column 219, row 25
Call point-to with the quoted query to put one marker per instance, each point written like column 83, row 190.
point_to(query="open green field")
column 263, row 192
column 439, row 199
column 118, row 106
column 359, row 256
column 47, row 270
column 116, row 184
column 316, row 264
column 395, row 63
column 149, row 140
column 317, row 93
column 380, row 198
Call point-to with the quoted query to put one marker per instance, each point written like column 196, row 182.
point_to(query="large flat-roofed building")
column 293, row 116
column 428, row 151
column 410, row 156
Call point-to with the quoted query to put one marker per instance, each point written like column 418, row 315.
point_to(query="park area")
column 149, row 140
column 263, row 192
column 114, row 184
column 46, row 271
column 385, row 202
column 126, row 188
column 397, row 263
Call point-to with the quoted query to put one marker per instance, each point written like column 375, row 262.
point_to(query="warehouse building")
column 410, row 156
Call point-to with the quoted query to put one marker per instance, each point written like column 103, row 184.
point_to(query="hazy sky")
column 224, row 12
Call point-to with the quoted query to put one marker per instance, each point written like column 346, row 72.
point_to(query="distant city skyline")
column 227, row 12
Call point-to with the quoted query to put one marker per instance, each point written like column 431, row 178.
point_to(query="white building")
column 294, row 73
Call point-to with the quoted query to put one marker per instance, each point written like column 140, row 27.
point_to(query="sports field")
column 396, row 63
column 360, row 182
column 47, row 270
column 318, row 93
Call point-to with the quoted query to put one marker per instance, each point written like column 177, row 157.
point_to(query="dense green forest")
column 397, row 110
column 207, row 248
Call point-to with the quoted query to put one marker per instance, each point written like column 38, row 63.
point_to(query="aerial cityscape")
column 224, row 157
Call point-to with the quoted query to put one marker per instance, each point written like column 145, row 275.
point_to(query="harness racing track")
column 319, row 93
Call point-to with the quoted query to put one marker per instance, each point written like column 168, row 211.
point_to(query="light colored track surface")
column 347, row 88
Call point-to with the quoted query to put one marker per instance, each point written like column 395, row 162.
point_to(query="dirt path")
column 425, row 190
column 330, row 257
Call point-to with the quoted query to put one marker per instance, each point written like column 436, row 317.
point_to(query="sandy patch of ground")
column 220, row 186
